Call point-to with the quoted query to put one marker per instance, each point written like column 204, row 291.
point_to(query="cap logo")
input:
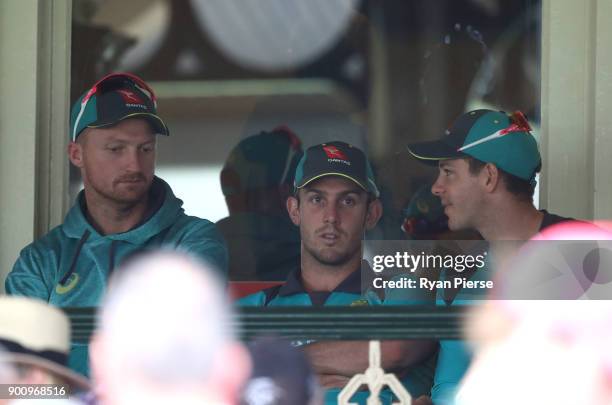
column 129, row 96
column 132, row 99
column 334, row 153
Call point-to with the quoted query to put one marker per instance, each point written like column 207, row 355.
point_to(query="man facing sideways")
column 335, row 202
column 123, row 207
column 487, row 167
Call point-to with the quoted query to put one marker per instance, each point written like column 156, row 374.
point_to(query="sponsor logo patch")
column 70, row 284
column 129, row 97
column 360, row 302
column 334, row 153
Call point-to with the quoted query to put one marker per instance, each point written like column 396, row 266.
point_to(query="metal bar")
column 329, row 323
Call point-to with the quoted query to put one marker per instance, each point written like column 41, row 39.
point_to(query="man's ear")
column 293, row 207
column 75, row 154
column 374, row 213
column 491, row 177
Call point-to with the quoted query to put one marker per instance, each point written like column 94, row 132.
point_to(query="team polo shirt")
column 292, row 293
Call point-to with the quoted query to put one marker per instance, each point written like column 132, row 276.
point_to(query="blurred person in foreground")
column 256, row 180
column 122, row 208
column 487, row 162
column 334, row 203
column 34, row 345
column 553, row 348
column 165, row 336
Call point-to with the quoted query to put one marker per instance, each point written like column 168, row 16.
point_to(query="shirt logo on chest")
column 69, row 285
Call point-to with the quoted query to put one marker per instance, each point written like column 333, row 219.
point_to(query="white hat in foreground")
column 35, row 333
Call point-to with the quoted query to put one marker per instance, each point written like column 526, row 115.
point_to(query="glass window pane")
column 376, row 74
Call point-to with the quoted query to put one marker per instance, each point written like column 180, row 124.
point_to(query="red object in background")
column 239, row 289
column 408, row 226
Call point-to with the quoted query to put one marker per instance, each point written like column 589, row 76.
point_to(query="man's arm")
column 348, row 358
column 26, row 277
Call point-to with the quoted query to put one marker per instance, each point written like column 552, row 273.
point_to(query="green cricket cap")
column 489, row 136
column 336, row 159
column 114, row 98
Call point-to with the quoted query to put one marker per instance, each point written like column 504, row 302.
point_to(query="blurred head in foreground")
column 281, row 375
column 165, row 336
column 554, row 349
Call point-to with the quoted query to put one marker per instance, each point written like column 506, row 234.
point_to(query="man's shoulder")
column 261, row 298
column 186, row 224
column 549, row 220
column 52, row 240
column 39, row 258
column 192, row 235
column 184, row 220
column 553, row 219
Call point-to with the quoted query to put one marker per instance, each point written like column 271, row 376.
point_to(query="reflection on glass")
column 375, row 74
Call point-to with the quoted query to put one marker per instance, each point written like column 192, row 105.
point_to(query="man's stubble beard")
column 116, row 198
column 336, row 261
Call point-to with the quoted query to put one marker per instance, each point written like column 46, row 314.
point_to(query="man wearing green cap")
column 123, row 208
column 256, row 180
column 335, row 202
column 487, row 164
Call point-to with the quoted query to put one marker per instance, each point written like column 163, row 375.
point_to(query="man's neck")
column 511, row 220
column 319, row 277
column 110, row 218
